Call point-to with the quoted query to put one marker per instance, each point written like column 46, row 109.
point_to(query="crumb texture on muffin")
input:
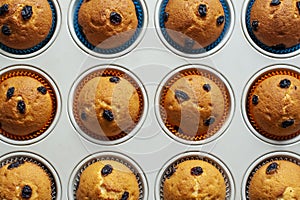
column 194, row 179
column 25, row 105
column 195, row 105
column 24, row 23
column 276, row 180
column 24, row 180
column 276, row 23
column 107, row 23
column 194, row 24
column 108, row 105
column 273, row 106
column 107, row 179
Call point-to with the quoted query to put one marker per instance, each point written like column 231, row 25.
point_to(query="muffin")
column 107, row 106
column 24, row 180
column 24, row 23
column 272, row 104
column 275, row 180
column 109, row 25
column 107, row 179
column 275, row 23
column 194, row 104
column 194, row 24
column 194, row 179
column 27, row 105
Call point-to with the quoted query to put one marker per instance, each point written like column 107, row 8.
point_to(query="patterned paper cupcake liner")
column 171, row 165
column 213, row 129
column 254, row 85
column 190, row 50
column 259, row 43
column 41, row 44
column 102, row 73
column 50, row 90
column 104, row 156
column 263, row 161
column 27, row 158
column 78, row 31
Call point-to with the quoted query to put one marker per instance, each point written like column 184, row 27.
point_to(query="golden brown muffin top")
column 24, row 23
column 276, row 23
column 107, row 23
column 195, row 179
column 107, row 179
column 196, row 105
column 25, row 105
column 108, row 105
column 276, row 180
column 24, row 180
column 197, row 22
column 273, row 106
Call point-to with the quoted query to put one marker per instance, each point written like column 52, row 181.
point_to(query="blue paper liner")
column 259, row 43
column 41, row 44
column 83, row 40
column 189, row 50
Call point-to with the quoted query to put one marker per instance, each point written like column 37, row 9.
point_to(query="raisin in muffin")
column 26, row 105
column 24, row 23
column 195, row 106
column 273, row 104
column 107, row 179
column 194, row 179
column 107, row 23
column 194, row 24
column 107, row 106
column 276, row 23
column 24, row 180
column 276, row 180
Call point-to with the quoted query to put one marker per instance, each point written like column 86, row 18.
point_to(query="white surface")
column 151, row 61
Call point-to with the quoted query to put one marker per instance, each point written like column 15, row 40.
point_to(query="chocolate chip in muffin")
column 298, row 5
column 83, row 116
column 181, row 96
column 10, row 92
column 275, row 2
column 114, row 79
column 15, row 164
column 106, row 170
column 196, row 171
column 272, row 168
column 115, row 18
column 255, row 99
column 42, row 90
column 6, row 30
column 26, row 192
column 26, row 12
column 202, row 10
column 285, row 83
column 206, row 87
column 220, row 20
column 209, row 121
column 287, row 123
column 125, row 195
column 108, row 115
column 255, row 25
column 279, row 46
column 3, row 9
column 21, row 106
column 166, row 16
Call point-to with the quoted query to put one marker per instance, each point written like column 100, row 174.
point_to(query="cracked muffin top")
column 194, row 179
column 24, row 23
